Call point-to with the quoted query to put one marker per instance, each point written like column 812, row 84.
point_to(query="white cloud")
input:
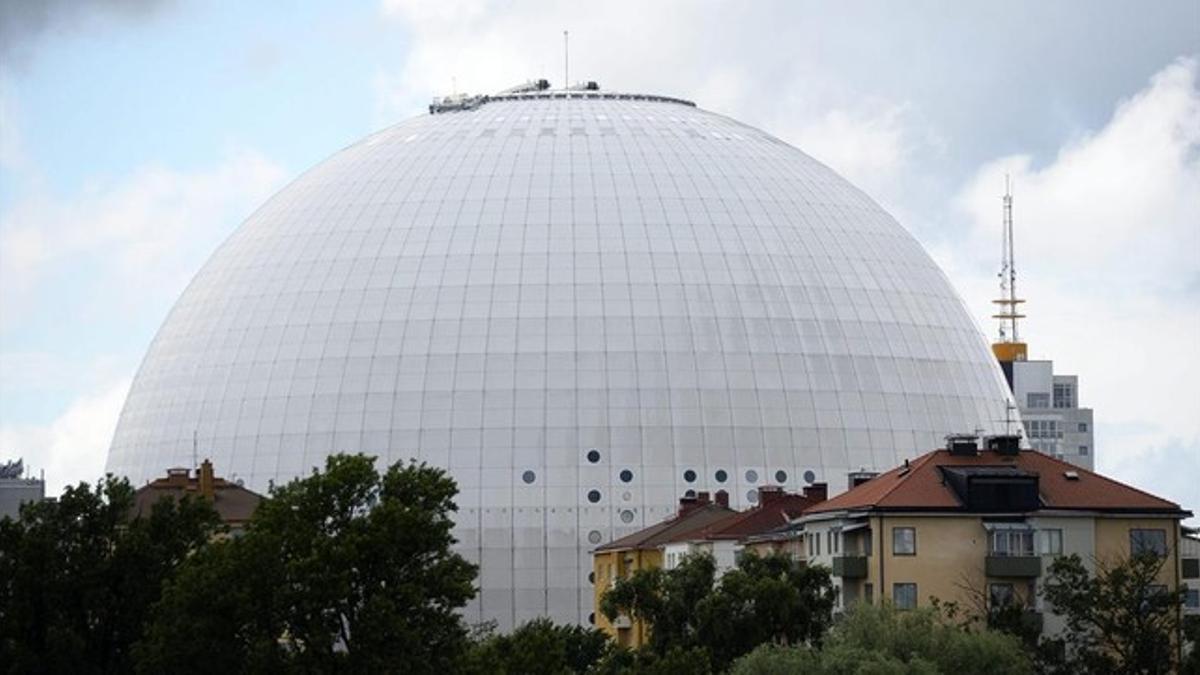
column 73, row 446
column 144, row 233
column 482, row 46
column 1108, row 255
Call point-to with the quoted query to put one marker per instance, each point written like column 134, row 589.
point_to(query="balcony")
column 850, row 566
column 1024, row 566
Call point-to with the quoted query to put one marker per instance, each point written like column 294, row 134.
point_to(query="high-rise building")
column 16, row 489
column 582, row 304
column 1053, row 420
column 1049, row 403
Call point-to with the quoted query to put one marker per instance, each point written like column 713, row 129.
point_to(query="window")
column 1050, row 542
column 1191, row 568
column 869, row 593
column 904, row 596
column 1083, row 449
column 1148, row 541
column 1044, row 429
column 1064, row 396
column 817, row 540
column 1083, row 427
column 1000, row 595
column 1192, row 599
column 1011, row 543
column 1037, row 400
column 904, row 541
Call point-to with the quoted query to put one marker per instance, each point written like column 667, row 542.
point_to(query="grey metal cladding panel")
column 504, row 290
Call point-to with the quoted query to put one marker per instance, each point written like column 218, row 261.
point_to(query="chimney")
column 817, row 492
column 769, row 493
column 965, row 445
column 687, row 504
column 177, row 477
column 722, row 498
column 702, row 499
column 1006, row 444
column 206, row 480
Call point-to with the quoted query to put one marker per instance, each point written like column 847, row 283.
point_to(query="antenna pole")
column 195, row 463
column 1012, row 261
column 566, row 65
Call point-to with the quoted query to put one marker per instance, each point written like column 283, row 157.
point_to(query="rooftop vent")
column 856, row 478
column 531, row 85
column 1071, row 475
column 584, row 86
column 963, row 444
column 1004, row 444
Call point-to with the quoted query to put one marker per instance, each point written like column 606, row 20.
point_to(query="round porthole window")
column 689, row 476
column 529, row 476
column 627, row 516
column 752, row 496
column 626, row 475
column 593, row 455
column 780, row 476
column 593, row 496
column 751, row 476
column 809, row 476
column 721, row 476
column 591, row 577
column 689, row 493
column 592, row 618
column 594, row 536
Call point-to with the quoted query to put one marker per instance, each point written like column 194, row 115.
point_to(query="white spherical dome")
column 582, row 308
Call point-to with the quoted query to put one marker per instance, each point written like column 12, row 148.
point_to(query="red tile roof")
column 919, row 485
column 769, row 514
column 676, row 528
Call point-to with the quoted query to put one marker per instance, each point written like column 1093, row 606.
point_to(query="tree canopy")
column 764, row 599
column 78, row 575
column 345, row 569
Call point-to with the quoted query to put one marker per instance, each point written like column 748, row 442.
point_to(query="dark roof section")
column 921, row 485
column 775, row 509
column 673, row 529
column 233, row 503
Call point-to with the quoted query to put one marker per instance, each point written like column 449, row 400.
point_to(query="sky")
column 135, row 135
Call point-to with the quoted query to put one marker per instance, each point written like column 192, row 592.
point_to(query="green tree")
column 772, row 599
column 78, row 574
column 878, row 640
column 1121, row 619
column 539, row 647
column 344, row 570
column 768, row 599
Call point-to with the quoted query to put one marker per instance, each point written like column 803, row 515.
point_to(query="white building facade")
column 1049, row 404
column 582, row 306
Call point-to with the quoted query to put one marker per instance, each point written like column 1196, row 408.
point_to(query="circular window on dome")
column 689, row 476
column 626, row 475
column 592, row 618
column 529, row 476
column 594, row 536
column 780, row 476
column 809, row 476
column 591, row 577
column 752, row 496
column 689, row 493
column 627, row 516
column 593, row 496
column 721, row 476
column 751, row 476
column 593, row 455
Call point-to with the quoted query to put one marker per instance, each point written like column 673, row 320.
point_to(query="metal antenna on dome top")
column 195, row 463
column 566, row 65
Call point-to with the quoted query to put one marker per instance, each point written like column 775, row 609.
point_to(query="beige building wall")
column 1112, row 542
column 607, row 567
column 949, row 560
